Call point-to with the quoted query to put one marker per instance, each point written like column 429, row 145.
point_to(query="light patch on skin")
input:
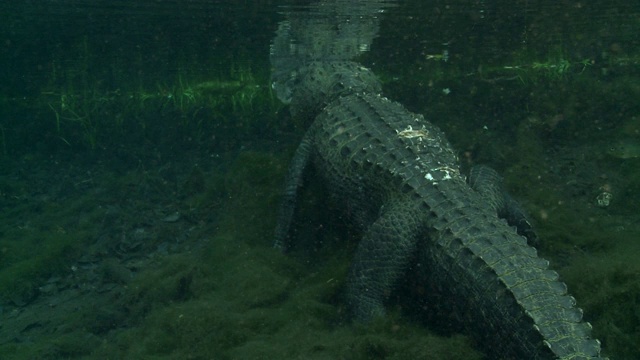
column 449, row 174
column 410, row 133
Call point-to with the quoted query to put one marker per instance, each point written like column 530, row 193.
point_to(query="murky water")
column 116, row 116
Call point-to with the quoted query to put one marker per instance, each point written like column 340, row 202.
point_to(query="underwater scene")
column 145, row 146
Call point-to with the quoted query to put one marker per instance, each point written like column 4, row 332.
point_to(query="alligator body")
column 400, row 180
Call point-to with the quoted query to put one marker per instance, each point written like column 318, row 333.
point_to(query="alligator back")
column 400, row 180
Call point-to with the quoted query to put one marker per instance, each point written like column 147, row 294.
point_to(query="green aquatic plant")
column 550, row 69
column 523, row 65
column 557, row 66
column 88, row 107
column 76, row 111
column 182, row 95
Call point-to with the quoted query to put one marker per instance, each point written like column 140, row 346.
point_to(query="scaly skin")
column 400, row 180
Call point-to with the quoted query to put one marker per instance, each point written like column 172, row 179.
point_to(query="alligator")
column 400, row 183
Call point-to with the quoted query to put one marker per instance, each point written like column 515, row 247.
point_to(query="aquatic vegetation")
column 40, row 247
column 83, row 111
column 554, row 68
column 91, row 118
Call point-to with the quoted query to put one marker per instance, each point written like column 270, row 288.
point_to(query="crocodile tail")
column 506, row 295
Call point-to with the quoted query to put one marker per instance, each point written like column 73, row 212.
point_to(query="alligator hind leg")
column 292, row 183
column 488, row 183
column 381, row 258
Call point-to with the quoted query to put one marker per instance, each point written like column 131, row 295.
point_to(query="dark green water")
column 142, row 154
